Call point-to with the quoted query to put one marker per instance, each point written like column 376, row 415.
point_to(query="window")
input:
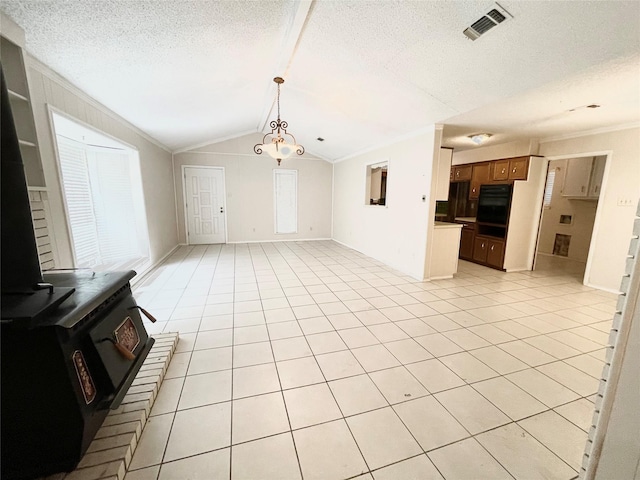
column 285, row 186
column 548, row 189
column 376, row 184
column 103, row 198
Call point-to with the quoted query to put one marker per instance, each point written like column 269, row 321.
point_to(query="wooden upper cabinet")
column 501, row 170
column 518, row 168
column 479, row 176
column 461, row 173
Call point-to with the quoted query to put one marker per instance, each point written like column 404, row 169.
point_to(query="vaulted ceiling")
column 357, row 73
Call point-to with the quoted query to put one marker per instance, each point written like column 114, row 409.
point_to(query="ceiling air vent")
column 486, row 23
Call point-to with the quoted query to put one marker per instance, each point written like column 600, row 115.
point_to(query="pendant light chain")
column 278, row 102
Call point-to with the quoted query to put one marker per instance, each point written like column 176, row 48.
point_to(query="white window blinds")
column 285, row 184
column 79, row 201
column 548, row 189
column 101, row 196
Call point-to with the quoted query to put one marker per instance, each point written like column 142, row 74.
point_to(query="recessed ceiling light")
column 320, row 139
column 479, row 138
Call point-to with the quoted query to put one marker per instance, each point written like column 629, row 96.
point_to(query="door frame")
column 596, row 223
column 184, row 199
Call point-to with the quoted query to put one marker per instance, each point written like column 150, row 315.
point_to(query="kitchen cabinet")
column 518, row 168
column 480, row 249
column 597, row 172
column 577, row 177
column 467, row 237
column 488, row 251
column 495, row 253
column 501, row 170
column 462, row 173
column 510, row 169
column 480, row 175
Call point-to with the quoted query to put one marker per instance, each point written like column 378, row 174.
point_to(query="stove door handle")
column 123, row 351
column 151, row 318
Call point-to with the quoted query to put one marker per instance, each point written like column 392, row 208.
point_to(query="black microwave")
column 494, row 204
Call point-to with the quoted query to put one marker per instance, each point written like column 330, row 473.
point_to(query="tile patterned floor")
column 310, row 360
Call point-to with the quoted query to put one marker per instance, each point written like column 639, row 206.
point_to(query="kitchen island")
column 446, row 244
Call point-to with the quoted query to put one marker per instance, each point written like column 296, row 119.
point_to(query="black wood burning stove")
column 72, row 342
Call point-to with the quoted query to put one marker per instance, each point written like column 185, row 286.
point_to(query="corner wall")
column 249, row 190
column 396, row 233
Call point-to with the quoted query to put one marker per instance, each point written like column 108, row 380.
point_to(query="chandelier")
column 275, row 143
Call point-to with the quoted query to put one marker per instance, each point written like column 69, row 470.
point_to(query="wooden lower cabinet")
column 487, row 251
column 495, row 253
column 480, row 248
column 466, row 243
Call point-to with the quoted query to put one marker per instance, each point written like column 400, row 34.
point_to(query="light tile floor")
column 310, row 360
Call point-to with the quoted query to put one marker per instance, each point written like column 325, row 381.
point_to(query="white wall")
column 621, row 180
column 249, row 190
column 583, row 213
column 396, row 233
column 48, row 88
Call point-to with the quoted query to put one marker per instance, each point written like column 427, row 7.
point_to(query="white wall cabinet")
column 444, row 170
column 583, row 178
column 597, row 172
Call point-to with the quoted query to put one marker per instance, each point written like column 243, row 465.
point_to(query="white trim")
column 184, row 202
column 367, row 182
column 280, row 240
column 604, row 289
column 53, row 75
column 585, row 133
column 138, row 278
column 37, row 189
column 393, row 141
column 333, row 195
column 88, row 126
column 213, row 141
column 175, row 196
column 236, row 154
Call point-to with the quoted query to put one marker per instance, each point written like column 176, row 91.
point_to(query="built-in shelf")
column 13, row 67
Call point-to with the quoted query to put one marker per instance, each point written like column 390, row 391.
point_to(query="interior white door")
column 204, row 197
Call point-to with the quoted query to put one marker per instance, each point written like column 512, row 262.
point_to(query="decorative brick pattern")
column 110, row 453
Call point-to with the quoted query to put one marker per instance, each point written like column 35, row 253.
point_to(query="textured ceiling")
column 358, row 73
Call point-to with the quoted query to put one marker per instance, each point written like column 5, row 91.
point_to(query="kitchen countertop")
column 466, row 219
column 447, row 225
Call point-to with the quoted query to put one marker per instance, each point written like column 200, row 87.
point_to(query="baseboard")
column 604, row 289
column 139, row 278
column 282, row 240
column 384, row 262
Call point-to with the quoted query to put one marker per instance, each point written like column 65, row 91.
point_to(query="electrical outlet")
column 625, row 202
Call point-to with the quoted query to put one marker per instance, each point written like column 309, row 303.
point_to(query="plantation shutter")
column 77, row 191
column 286, row 200
column 113, row 203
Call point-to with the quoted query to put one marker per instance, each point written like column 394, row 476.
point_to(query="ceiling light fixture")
column 479, row 138
column 277, row 147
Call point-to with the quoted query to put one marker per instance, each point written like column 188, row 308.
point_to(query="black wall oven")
column 494, row 204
